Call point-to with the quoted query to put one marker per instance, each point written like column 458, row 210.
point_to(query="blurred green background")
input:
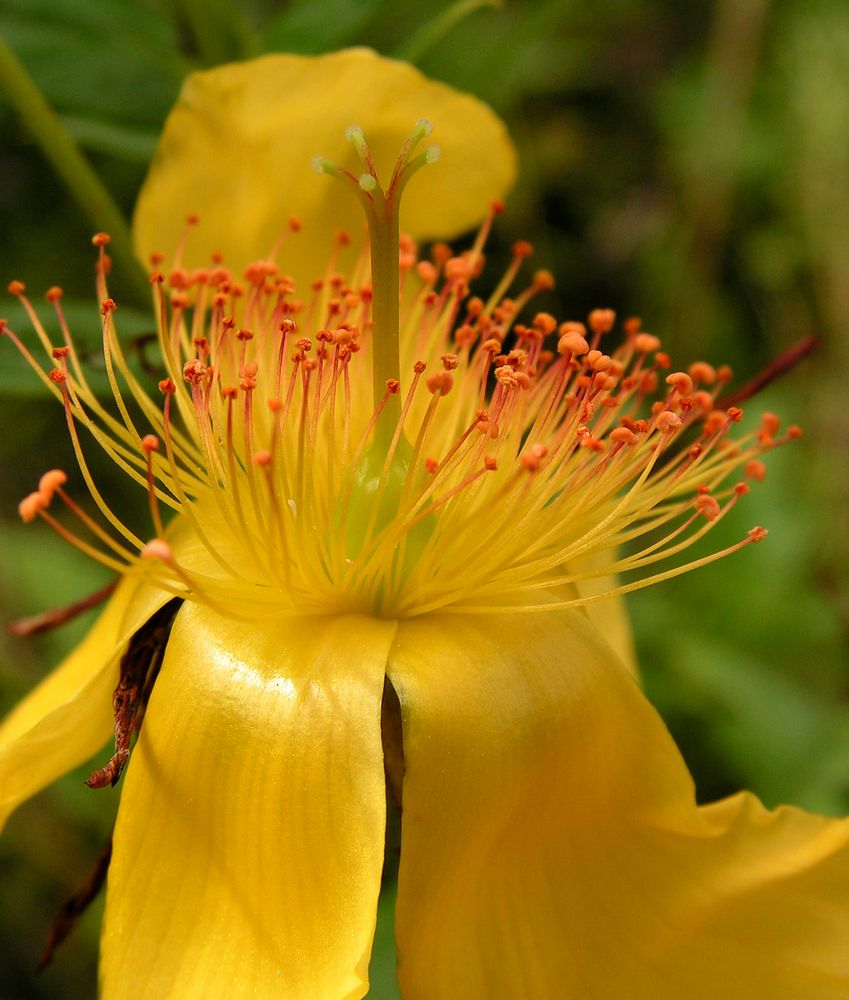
column 685, row 162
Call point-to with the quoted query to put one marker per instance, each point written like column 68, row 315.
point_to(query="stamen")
column 300, row 484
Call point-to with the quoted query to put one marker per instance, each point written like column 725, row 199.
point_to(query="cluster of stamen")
column 516, row 448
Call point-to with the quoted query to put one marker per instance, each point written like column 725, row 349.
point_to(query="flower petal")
column 238, row 148
column 68, row 717
column 552, row 848
column 249, row 841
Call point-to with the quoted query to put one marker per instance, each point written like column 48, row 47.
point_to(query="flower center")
column 491, row 462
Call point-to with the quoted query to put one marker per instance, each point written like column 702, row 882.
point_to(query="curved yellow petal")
column 249, row 841
column 552, row 848
column 610, row 616
column 68, row 717
column 238, row 149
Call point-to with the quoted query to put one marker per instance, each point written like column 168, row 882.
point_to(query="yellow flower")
column 371, row 495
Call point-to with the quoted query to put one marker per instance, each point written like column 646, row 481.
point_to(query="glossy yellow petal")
column 68, row 717
column 238, row 149
column 249, row 841
column 552, row 847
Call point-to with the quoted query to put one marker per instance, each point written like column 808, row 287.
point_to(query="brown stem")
column 68, row 917
column 779, row 366
column 47, row 620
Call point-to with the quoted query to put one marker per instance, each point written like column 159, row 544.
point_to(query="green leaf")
column 116, row 59
column 309, row 27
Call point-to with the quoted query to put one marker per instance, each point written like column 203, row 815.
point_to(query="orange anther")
column 30, row 506
column 708, row 506
column 645, row 343
column 735, row 414
column 465, row 335
column 245, row 335
column 663, row 360
column 16, row 287
column 457, row 269
column 159, row 549
column 522, row 249
column 755, row 469
column 194, row 371
column 543, row 281
column 572, row 343
column 794, row 432
column 532, row 458
column 108, row 306
column 427, row 272
column 168, row 386
column 440, row 382
column 192, row 219
column 505, row 376
column 490, row 463
column 150, row 443
column 50, row 482
column 56, row 376
column 431, row 465
column 262, row 459
column 601, row 320
column 622, row 435
column 757, row 534
column 53, row 294
column 632, row 325
column 741, row 489
column 668, row 422
column 770, row 423
column 701, row 371
column 392, row 386
column 450, row 362
column 545, row 323
column 100, row 239
column 681, row 382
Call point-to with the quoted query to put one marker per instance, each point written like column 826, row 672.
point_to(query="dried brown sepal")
column 68, row 917
column 393, row 743
column 139, row 667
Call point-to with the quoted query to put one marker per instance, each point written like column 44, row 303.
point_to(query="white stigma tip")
column 367, row 182
column 318, row 164
column 424, row 126
column 432, row 154
column 355, row 135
